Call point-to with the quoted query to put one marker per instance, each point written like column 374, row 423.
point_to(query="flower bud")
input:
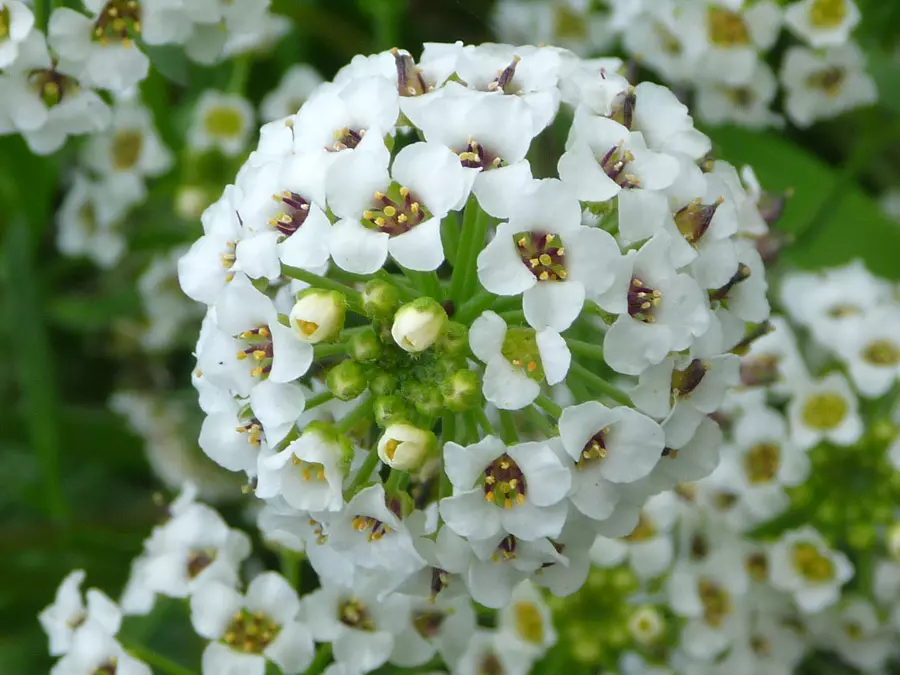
column 418, row 324
column 426, row 398
column 318, row 315
column 380, row 299
column 346, row 380
column 365, row 347
column 383, row 384
column 391, row 410
column 454, row 341
column 406, row 447
column 461, row 391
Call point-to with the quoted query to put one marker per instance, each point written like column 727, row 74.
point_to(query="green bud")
column 391, row 410
column 454, row 341
column 383, row 384
column 318, row 315
column 405, row 447
column 365, row 346
column 426, row 399
column 461, row 391
column 346, row 380
column 418, row 324
column 380, row 299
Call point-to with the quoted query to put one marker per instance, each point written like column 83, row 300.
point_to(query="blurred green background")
column 77, row 490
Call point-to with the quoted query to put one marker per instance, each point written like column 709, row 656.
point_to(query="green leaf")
column 835, row 218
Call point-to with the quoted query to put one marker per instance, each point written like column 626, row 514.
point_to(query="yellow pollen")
column 531, row 367
column 390, row 211
column 404, row 192
column 259, row 355
column 308, row 327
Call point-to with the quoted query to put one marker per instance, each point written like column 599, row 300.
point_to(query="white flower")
column 398, row 211
column 249, row 630
column 16, row 22
column 820, row 86
column 95, row 650
column 100, row 50
column 822, row 23
column 441, row 626
column 662, row 119
column 517, row 360
column 296, row 85
column 65, row 618
column 233, row 438
column 826, row 409
column 856, row 633
column 802, row 563
column 748, row 104
column 519, row 489
column 88, row 223
column 742, row 299
column 567, row 23
column 527, row 621
column 660, row 310
column 544, row 253
column 418, row 324
column 492, row 652
column 310, row 471
column 661, row 37
column 774, row 359
column 318, row 315
column 361, row 628
column 686, row 458
column 405, row 447
column 608, row 445
column 129, row 146
column 872, row 352
column 221, row 121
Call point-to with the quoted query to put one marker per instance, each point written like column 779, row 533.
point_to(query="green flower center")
column 760, row 645
column 824, row 411
column 108, row 668
column 126, row 148
column 543, row 254
column 428, row 623
column 757, row 566
column 761, row 462
column 529, row 623
column 853, row 630
column 843, row 310
column 4, row 22
column 51, row 86
column 118, row 21
column 250, row 633
column 829, row 80
column 668, row 41
column 569, row 24
column 716, row 602
column 223, row 122
column 521, row 350
column 643, row 531
column 684, row 382
column 828, row 13
column 199, row 560
column 811, row 564
column 395, row 212
column 309, row 470
column 354, row 613
column 694, row 219
column 726, row 28
column 881, row 353
column 642, row 301
column 504, row 483
column 376, row 528
column 490, row 665
column 615, row 164
column 594, row 450
column 259, row 347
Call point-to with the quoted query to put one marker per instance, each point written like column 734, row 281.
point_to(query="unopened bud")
column 391, row 410
column 318, row 315
column 418, row 324
column 406, row 447
column 365, row 347
column 646, row 625
column 454, row 341
column 383, row 384
column 346, row 380
column 380, row 299
column 426, row 398
column 461, row 391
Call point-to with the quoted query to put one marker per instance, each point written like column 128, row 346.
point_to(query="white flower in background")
column 609, row 446
column 767, row 647
column 44, row 101
column 129, row 146
column 774, row 359
column 94, row 650
column 262, row 34
column 855, row 631
column 296, row 85
column 397, row 211
column 310, row 471
column 748, row 104
column 222, row 122
column 493, row 652
column 660, row 310
column 101, row 50
column 544, row 253
column 362, row 629
column 686, row 459
column 248, row 631
column 826, row 409
column 65, row 618
column 88, row 223
column 872, row 352
column 435, row 627
column 167, row 309
column 823, row 85
column 16, row 22
column 658, row 38
column 801, row 563
column 519, row 489
column 527, row 620
column 822, row 23
column 566, row 23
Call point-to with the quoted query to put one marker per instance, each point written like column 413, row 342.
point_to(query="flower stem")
column 318, row 399
column 483, row 421
column 240, row 74
column 482, row 220
column 355, row 416
column 159, row 662
column 585, row 349
column 425, row 283
column 448, row 434
column 508, row 427
column 466, row 253
column 473, row 307
column 396, row 481
column 321, row 660
column 549, row 405
column 291, row 564
column 514, row 316
column 354, row 299
column 596, row 382
column 321, row 351
column 537, row 418
column 363, row 475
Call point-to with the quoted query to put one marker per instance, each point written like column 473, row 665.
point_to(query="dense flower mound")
column 466, row 315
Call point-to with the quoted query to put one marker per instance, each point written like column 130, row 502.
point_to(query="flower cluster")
column 723, row 49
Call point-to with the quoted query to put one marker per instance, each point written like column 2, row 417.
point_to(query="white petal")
column 548, row 480
column 421, row 248
column 555, row 355
column 293, row 649
column 358, row 249
column 553, row 304
column 212, row 606
column 529, row 522
column 219, row 659
column 271, row 594
column 500, row 268
column 470, row 515
column 507, row 387
column 579, row 423
column 486, row 336
column 292, row 357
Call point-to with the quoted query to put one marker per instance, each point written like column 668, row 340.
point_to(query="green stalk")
column 318, row 399
column 402, row 284
column 539, row 420
column 291, row 564
column 323, row 350
column 472, row 433
column 363, row 475
column 354, row 298
column 549, row 405
column 514, row 316
column 508, row 427
column 465, row 258
column 355, row 416
column 159, row 662
column 585, row 349
column 240, row 74
column 473, row 307
column 596, row 382
column 321, row 660
column 396, row 481
column 448, row 435
column 479, row 234
column 483, row 421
